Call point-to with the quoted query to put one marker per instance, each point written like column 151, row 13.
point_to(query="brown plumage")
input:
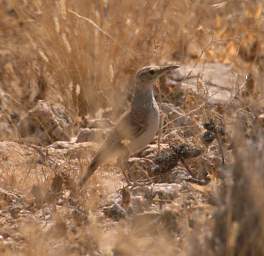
column 138, row 126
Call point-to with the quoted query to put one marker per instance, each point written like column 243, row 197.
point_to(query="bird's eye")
column 152, row 72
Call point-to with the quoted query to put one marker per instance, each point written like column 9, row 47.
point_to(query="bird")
column 138, row 126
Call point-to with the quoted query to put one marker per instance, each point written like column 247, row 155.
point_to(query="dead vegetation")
column 66, row 74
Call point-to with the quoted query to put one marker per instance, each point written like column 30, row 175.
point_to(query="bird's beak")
column 166, row 69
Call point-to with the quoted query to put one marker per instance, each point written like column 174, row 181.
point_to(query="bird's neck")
column 143, row 98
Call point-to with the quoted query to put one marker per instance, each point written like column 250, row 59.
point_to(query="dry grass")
column 83, row 54
column 76, row 54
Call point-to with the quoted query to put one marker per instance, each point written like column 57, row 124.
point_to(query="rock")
column 12, row 152
column 91, row 134
column 46, row 123
column 62, row 145
column 96, row 123
column 72, row 150
column 218, row 79
column 115, row 212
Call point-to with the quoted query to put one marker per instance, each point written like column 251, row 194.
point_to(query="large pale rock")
column 218, row 81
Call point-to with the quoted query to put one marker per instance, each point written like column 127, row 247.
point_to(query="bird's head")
column 148, row 75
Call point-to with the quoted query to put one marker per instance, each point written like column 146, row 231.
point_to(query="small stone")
column 94, row 134
column 115, row 212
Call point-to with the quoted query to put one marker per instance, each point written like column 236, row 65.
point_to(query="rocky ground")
column 174, row 198
column 170, row 193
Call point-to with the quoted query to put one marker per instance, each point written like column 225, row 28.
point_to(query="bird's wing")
column 131, row 125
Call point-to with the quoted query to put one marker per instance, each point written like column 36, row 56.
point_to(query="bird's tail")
column 108, row 149
column 90, row 170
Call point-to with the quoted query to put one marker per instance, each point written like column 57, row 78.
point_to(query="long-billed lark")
column 138, row 126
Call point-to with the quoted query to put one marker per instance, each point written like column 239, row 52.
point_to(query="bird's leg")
column 123, row 162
